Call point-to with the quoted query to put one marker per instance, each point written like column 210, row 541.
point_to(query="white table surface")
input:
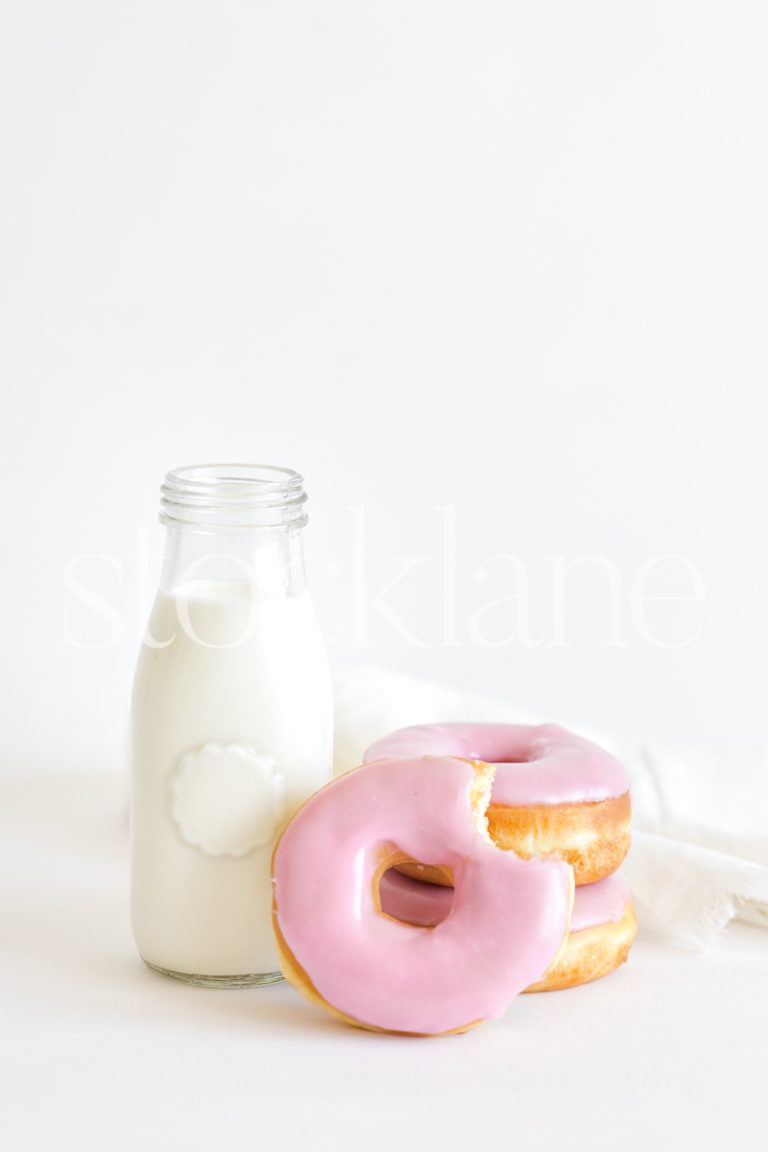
column 98, row 1052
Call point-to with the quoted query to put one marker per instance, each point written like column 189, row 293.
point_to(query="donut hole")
column 404, row 895
column 428, row 873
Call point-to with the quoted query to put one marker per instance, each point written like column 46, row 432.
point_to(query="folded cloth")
column 699, row 853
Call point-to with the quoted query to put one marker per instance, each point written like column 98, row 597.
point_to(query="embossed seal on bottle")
column 227, row 799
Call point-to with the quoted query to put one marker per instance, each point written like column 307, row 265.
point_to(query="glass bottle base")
column 251, row 980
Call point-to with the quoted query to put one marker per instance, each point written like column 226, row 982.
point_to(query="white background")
column 504, row 259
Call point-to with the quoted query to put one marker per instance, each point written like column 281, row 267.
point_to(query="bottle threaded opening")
column 233, row 496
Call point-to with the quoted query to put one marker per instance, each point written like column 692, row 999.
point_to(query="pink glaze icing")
column 415, row 902
column 603, row 902
column 535, row 764
column 508, row 919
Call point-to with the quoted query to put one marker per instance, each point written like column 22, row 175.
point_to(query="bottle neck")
column 269, row 561
column 234, row 524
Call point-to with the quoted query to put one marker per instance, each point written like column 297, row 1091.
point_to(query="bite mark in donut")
column 554, row 793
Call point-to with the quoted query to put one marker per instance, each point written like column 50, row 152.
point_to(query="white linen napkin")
column 699, row 852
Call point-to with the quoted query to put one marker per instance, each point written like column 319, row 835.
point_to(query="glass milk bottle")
column 231, row 726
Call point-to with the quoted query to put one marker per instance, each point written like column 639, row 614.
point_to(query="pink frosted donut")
column 554, row 793
column 603, row 924
column 508, row 919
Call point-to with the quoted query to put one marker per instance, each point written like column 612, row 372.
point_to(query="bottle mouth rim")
column 233, row 496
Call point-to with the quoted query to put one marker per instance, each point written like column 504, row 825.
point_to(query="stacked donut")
column 554, row 794
column 419, row 893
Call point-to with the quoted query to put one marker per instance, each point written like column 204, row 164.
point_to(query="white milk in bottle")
column 231, row 722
